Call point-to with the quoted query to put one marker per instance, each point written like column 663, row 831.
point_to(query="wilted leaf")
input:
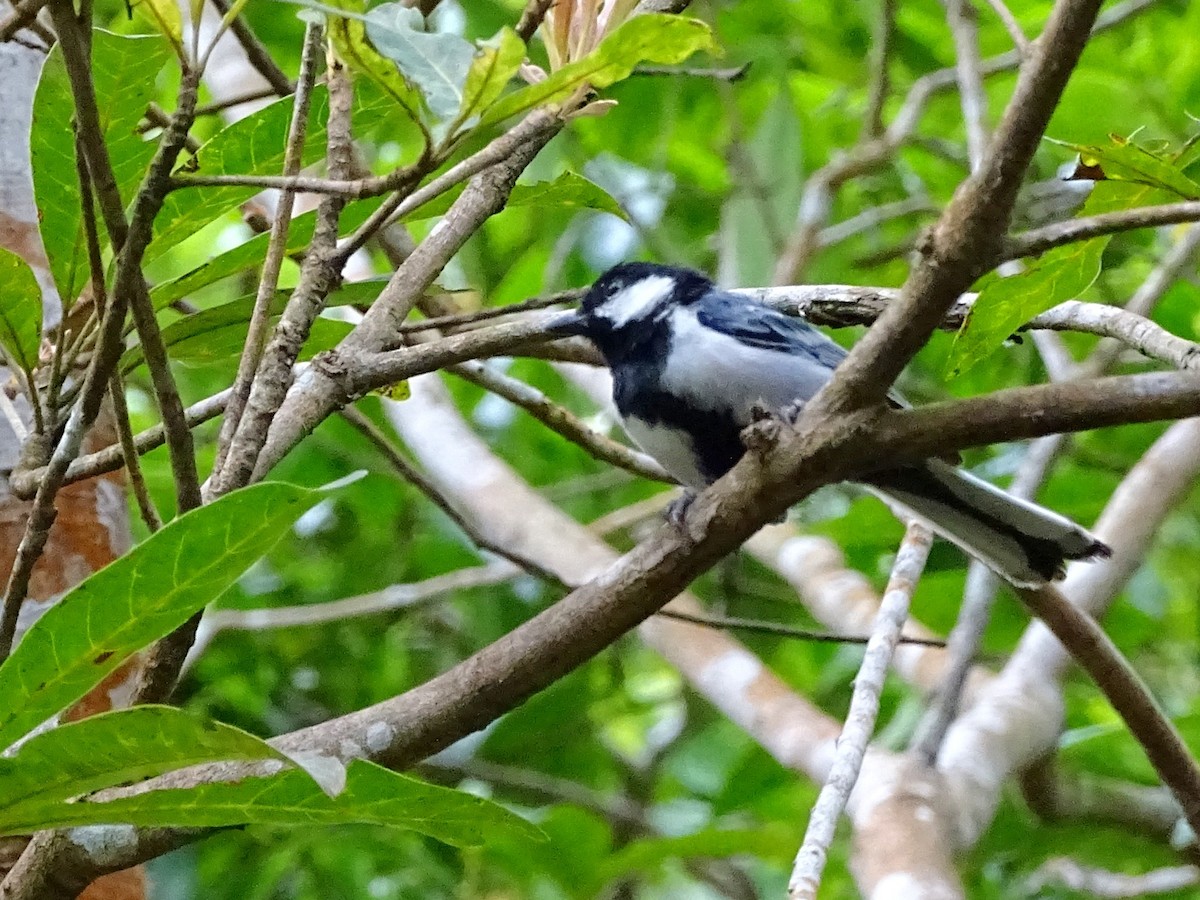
column 373, row 795
column 139, row 598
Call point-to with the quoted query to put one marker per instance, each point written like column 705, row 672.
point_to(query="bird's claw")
column 677, row 509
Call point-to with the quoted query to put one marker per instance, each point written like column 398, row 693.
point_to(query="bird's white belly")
column 670, row 446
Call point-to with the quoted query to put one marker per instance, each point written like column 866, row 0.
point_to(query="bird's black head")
column 629, row 299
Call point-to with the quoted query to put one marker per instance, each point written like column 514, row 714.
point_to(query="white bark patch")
column 120, row 695
column 105, row 844
column 380, row 736
column 112, row 511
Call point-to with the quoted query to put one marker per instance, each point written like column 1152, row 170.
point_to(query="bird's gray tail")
column 1022, row 542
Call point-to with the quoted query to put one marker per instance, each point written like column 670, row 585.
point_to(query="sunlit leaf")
column 653, row 37
column 140, row 597
column 1128, row 161
column 492, row 69
column 372, row 795
column 164, row 15
column 20, row 311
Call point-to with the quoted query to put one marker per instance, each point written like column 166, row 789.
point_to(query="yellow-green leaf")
column 493, row 68
column 653, row 37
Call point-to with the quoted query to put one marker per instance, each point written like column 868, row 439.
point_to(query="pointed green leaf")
column 1126, row 161
column 1005, row 304
column 220, row 331
column 491, row 71
column 252, row 146
column 348, row 31
column 251, row 253
column 122, row 101
column 113, row 748
column 373, row 795
column 653, row 37
column 567, row 190
column 139, row 598
column 20, row 312
column 436, row 63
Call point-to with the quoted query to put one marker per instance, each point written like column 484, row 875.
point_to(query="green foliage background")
column 710, row 173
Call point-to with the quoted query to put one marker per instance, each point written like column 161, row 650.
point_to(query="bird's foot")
column 677, row 509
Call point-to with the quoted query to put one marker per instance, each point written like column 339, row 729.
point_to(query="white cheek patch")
column 637, row 301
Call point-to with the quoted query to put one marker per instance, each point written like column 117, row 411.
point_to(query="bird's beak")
column 570, row 323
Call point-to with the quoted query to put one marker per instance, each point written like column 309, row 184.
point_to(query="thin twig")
column 260, row 317
column 879, row 80
column 1103, row 884
column 24, row 14
column 758, row 626
column 531, row 17
column 964, row 27
column 320, row 274
column 211, row 109
column 137, row 481
column 24, row 483
column 1095, row 652
column 256, row 53
column 864, row 708
column 978, row 595
column 1012, row 26
column 1039, row 240
column 560, row 419
column 417, row 479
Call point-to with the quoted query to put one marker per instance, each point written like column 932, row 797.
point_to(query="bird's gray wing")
column 758, row 325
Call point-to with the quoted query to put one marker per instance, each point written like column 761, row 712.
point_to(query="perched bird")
column 693, row 364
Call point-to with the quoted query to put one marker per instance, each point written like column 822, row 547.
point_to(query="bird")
column 693, row 365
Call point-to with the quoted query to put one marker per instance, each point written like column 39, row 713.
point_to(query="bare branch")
column 1108, row 885
column 963, row 19
column 260, row 316
column 864, row 709
column 1012, row 26
column 320, row 274
column 561, row 420
column 967, row 239
column 1093, row 650
column 256, row 53
column 1039, row 240
column 880, row 83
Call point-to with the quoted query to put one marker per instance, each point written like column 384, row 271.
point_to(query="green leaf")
column 1005, row 304
column 653, row 37
column 220, row 332
column 436, row 63
column 110, row 749
column 252, row 252
column 252, row 146
column 1126, row 161
column 567, row 190
column 165, row 16
column 20, row 312
column 492, row 69
column 122, row 101
column 139, row 598
column 646, row 855
column 348, row 30
column 373, row 795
